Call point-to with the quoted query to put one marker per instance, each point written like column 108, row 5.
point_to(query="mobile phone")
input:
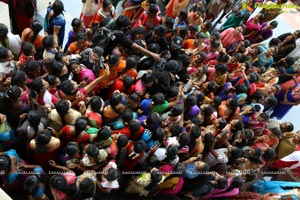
column 50, row 129
column 86, row 79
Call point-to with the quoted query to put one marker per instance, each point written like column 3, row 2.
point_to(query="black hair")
column 276, row 131
column 127, row 82
column 233, row 104
column 80, row 125
column 80, row 36
column 158, row 134
column 115, row 99
column 98, row 50
column 31, row 184
column 58, row 182
column 36, row 87
column 5, row 162
column 18, row 78
column 152, row 120
column 172, row 91
column 42, row 139
column 223, row 58
column 289, row 60
column 154, row 47
column 96, row 104
column 139, row 146
column 59, row 56
column 236, row 153
column 247, row 43
column 274, row 42
column 152, row 9
column 123, row 21
column 269, row 154
column 131, row 62
column 201, row 98
column 160, row 30
column 93, row 151
column 134, row 97
column 67, row 87
column 211, row 86
column 241, row 88
column 238, row 125
column 281, row 70
column 183, row 31
column 139, row 31
column 215, row 44
column 249, row 134
column 158, row 98
column 222, row 123
column 127, row 116
column 176, row 110
column 148, row 78
column 3, row 52
column 112, row 174
column 176, row 129
column 106, row 3
column 207, row 110
column 122, row 141
column 113, row 59
column 134, row 127
column 34, row 119
column 172, row 152
column 274, row 23
column 103, row 134
column 237, row 182
column 58, row 7
column 36, row 27
column 71, row 149
column 208, row 137
column 56, row 67
column 31, row 65
column 169, row 21
column 62, row 108
column 265, row 116
column 14, row 93
column 183, row 14
column 26, row 48
column 195, row 133
column 48, row 41
column 3, row 31
column 289, row 127
column 191, row 100
column 216, row 34
column 243, row 27
column 156, row 177
column 85, row 190
column 221, row 68
column 184, row 139
column 76, row 23
column 250, row 176
column 222, row 183
column 217, row 101
column 208, row 24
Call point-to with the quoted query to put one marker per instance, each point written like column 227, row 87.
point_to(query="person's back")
column 55, row 21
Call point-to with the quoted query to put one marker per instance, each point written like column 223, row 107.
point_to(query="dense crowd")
column 154, row 102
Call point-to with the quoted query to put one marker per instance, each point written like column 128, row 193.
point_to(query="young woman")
column 89, row 9
column 39, row 94
column 106, row 11
column 32, row 35
column 81, row 74
column 149, row 19
column 45, row 148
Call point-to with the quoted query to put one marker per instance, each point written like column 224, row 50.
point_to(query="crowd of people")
column 152, row 102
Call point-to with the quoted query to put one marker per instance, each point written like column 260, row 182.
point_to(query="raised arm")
column 93, row 84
